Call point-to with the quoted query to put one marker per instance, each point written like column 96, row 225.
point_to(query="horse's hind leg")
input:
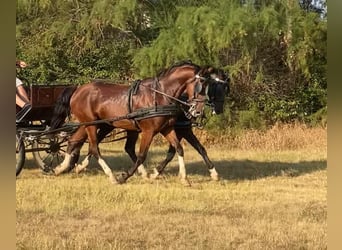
column 94, row 150
column 74, row 144
column 132, row 137
column 195, row 143
column 171, row 136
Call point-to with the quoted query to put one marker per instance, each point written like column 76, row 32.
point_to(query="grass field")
column 271, row 197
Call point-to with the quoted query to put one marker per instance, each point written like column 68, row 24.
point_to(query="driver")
column 21, row 97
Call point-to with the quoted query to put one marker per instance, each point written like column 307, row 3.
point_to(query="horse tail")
column 62, row 107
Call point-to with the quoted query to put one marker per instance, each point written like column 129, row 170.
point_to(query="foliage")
column 275, row 51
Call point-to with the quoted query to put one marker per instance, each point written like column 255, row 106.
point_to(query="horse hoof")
column 57, row 171
column 215, row 178
column 145, row 177
column 79, row 169
column 122, row 177
column 155, row 174
column 214, row 175
column 186, row 182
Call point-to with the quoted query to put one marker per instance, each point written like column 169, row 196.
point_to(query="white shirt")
column 18, row 82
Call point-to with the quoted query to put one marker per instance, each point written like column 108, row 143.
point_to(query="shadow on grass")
column 227, row 169
column 251, row 170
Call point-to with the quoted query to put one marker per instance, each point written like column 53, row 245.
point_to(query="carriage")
column 32, row 133
column 34, row 136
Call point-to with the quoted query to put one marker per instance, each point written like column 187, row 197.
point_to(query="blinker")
column 198, row 88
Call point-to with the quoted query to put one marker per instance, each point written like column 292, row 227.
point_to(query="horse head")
column 212, row 85
column 217, row 90
column 194, row 81
column 183, row 78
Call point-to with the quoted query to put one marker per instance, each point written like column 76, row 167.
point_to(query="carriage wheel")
column 49, row 151
column 20, row 154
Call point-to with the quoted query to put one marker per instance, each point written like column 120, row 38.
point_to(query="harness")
column 173, row 109
column 157, row 110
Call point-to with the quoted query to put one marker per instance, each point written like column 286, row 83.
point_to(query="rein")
column 169, row 96
column 177, row 99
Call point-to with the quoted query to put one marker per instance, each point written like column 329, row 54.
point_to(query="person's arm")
column 22, row 94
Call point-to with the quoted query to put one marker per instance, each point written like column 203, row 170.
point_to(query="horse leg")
column 132, row 137
column 169, row 156
column 171, row 136
column 74, row 144
column 104, row 129
column 195, row 143
column 94, row 150
column 157, row 171
column 146, row 139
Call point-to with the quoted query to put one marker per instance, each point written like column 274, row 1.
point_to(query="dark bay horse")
column 113, row 105
column 217, row 90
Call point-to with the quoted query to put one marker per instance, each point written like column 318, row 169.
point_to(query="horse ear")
column 211, row 70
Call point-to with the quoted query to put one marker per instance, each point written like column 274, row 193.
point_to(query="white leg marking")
column 142, row 171
column 107, row 170
column 155, row 174
column 182, row 171
column 83, row 165
column 64, row 165
column 214, row 175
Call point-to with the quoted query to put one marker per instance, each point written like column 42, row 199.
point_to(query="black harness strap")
column 158, row 110
column 133, row 90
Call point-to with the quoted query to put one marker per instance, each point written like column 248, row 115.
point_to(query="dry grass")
column 279, row 137
column 266, row 199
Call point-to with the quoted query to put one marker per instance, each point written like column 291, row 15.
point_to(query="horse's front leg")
column 170, row 135
column 132, row 137
column 146, row 139
column 170, row 153
column 195, row 143
column 160, row 168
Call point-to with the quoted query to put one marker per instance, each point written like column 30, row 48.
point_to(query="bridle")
column 211, row 100
column 189, row 107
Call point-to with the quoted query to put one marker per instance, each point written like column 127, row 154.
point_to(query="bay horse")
column 113, row 105
column 217, row 90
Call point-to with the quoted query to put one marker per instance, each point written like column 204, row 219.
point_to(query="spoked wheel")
column 48, row 152
column 20, row 154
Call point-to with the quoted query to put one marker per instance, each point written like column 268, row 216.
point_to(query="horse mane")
column 169, row 70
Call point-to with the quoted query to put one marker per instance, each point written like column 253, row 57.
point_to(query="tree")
column 274, row 50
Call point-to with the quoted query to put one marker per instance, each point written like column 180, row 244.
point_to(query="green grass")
column 265, row 200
